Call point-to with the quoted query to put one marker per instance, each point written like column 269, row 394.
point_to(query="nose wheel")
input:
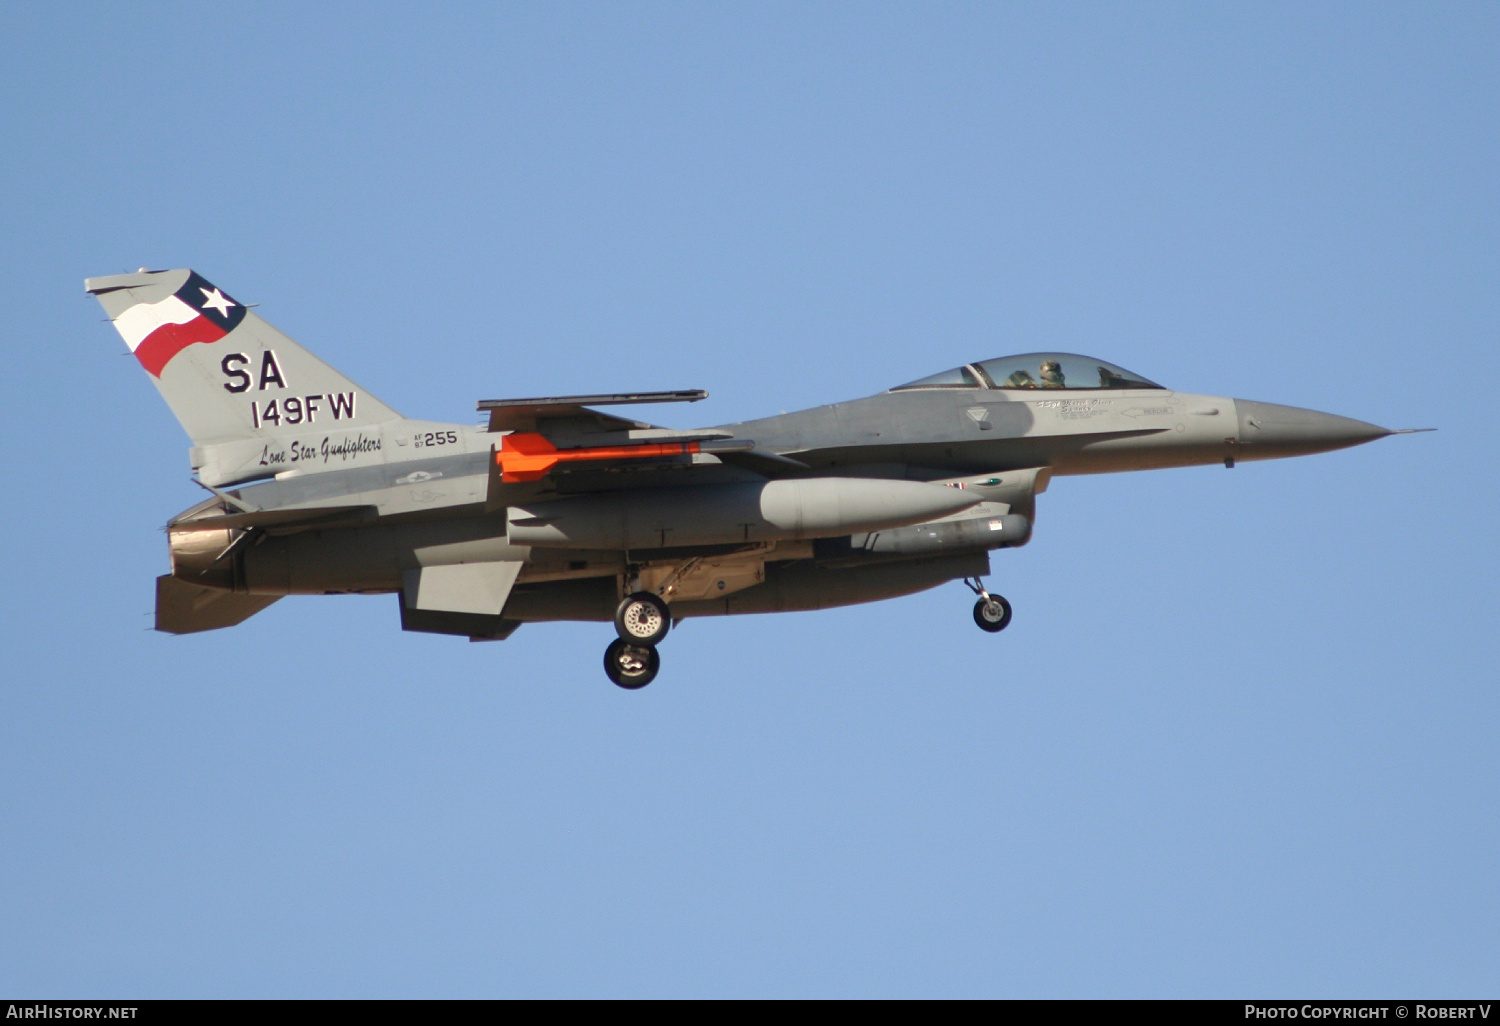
column 992, row 612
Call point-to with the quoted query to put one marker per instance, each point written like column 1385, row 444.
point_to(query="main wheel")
column 992, row 614
column 642, row 619
column 631, row 666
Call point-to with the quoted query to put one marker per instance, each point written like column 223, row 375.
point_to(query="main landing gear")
column 641, row 620
column 631, row 666
column 991, row 612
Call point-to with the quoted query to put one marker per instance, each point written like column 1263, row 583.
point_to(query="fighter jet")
column 554, row 509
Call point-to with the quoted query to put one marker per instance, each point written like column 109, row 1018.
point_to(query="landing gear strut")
column 992, row 612
column 641, row 620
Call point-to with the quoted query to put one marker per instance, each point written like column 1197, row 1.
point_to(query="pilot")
column 1052, row 375
column 1020, row 379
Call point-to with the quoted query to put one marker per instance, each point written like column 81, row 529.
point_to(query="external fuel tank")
column 792, row 509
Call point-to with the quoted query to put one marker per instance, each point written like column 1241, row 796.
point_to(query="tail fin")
column 226, row 374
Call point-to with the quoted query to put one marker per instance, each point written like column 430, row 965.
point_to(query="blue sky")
column 1241, row 736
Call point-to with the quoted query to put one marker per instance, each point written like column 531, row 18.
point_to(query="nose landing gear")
column 992, row 612
column 642, row 620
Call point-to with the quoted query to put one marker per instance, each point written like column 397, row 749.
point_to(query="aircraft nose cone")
column 1270, row 430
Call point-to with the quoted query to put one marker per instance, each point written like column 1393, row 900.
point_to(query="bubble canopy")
column 1035, row 371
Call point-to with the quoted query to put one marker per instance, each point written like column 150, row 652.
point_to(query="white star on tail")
column 217, row 300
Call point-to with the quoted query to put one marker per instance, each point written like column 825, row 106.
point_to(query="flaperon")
column 555, row 510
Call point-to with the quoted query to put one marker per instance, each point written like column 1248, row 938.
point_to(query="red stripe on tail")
column 157, row 349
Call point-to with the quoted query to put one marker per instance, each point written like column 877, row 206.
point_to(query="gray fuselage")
column 421, row 495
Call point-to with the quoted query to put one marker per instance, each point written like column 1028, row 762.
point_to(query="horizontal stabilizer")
column 186, row 608
column 326, row 516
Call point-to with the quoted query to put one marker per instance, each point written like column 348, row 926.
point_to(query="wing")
column 571, row 411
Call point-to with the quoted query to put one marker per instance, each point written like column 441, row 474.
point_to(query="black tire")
column 642, row 619
column 631, row 666
column 992, row 615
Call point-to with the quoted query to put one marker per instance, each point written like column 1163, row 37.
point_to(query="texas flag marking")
column 197, row 312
